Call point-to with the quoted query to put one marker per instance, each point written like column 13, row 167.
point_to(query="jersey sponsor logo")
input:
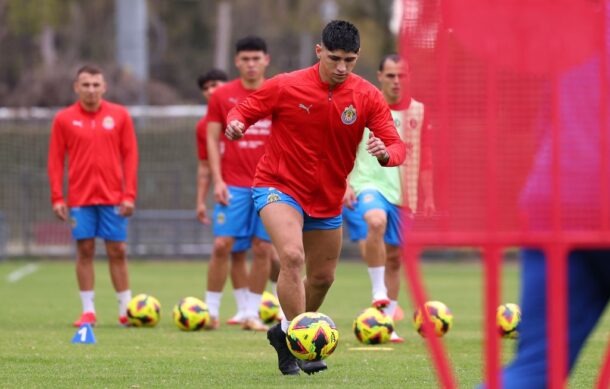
column 272, row 198
column 221, row 218
column 349, row 115
column 306, row 108
column 77, row 123
column 413, row 123
column 108, row 123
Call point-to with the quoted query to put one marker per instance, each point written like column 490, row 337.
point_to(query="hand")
column 126, row 208
column 376, row 148
column 221, row 193
column 349, row 198
column 202, row 214
column 234, row 130
column 61, row 211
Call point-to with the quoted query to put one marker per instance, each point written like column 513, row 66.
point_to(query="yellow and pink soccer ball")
column 508, row 318
column 440, row 316
column 312, row 336
column 269, row 309
column 191, row 314
column 143, row 311
column 372, row 326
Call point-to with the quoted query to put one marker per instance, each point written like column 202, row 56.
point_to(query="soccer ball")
column 191, row 314
column 440, row 315
column 143, row 311
column 312, row 336
column 508, row 317
column 372, row 326
column 269, row 308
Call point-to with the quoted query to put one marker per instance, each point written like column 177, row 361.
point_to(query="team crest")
column 349, row 115
column 413, row 123
column 73, row 222
column 220, row 218
column 272, row 198
column 108, row 123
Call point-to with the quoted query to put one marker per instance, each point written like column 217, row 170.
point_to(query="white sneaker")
column 394, row 338
column 238, row 318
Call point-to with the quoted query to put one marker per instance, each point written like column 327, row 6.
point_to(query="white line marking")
column 22, row 272
column 370, row 349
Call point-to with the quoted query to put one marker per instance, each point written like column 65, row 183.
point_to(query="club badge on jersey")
column 349, row 115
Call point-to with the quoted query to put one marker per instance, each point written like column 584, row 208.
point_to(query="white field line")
column 22, row 272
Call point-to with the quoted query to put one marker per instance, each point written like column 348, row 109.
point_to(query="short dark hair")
column 88, row 68
column 341, row 35
column 251, row 43
column 211, row 75
column 392, row 57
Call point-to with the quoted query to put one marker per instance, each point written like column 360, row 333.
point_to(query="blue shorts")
column 102, row 221
column 370, row 199
column 241, row 244
column 264, row 196
column 239, row 219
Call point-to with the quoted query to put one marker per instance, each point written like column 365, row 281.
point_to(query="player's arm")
column 256, row 106
column 55, row 170
column 129, row 154
column 203, row 187
column 426, row 169
column 384, row 143
column 221, row 192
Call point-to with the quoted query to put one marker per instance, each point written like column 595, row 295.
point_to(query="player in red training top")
column 233, row 165
column 208, row 83
column 319, row 115
column 99, row 140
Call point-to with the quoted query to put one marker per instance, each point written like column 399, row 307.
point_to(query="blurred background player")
column 375, row 205
column 208, row 83
column 99, row 141
column 320, row 113
column 233, row 165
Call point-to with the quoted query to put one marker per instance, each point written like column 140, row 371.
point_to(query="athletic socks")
column 124, row 298
column 86, row 297
column 212, row 300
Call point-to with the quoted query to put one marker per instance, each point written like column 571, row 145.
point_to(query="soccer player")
column 319, row 117
column 99, row 141
column 374, row 200
column 208, row 83
column 233, row 165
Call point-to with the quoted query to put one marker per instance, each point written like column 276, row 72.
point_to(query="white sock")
column 377, row 276
column 274, row 288
column 254, row 303
column 241, row 299
column 212, row 300
column 285, row 324
column 124, row 298
column 391, row 308
column 86, row 297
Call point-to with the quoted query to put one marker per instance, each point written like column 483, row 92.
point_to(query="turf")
column 35, row 334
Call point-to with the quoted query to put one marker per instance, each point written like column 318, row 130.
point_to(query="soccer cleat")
column 394, row 338
column 398, row 314
column 124, row 321
column 286, row 362
column 312, row 367
column 213, row 324
column 254, row 324
column 85, row 318
column 238, row 318
column 381, row 303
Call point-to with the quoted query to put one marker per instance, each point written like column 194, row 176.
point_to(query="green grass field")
column 35, row 334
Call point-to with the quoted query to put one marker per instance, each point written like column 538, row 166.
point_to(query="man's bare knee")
column 116, row 252
column 86, row 250
column 321, row 281
column 376, row 223
column 222, row 246
column 292, row 258
column 261, row 248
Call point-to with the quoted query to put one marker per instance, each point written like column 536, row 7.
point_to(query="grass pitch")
column 37, row 309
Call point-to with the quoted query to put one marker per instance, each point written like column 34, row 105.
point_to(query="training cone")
column 84, row 335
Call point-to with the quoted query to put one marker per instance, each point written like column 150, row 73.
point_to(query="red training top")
column 316, row 135
column 102, row 156
column 202, row 140
column 238, row 159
